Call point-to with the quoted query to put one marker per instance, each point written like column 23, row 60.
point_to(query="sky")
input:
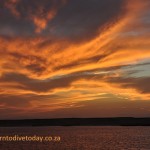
column 74, row 58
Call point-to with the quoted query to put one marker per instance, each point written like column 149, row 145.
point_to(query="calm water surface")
column 79, row 138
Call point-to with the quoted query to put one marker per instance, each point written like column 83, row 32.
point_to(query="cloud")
column 139, row 84
column 81, row 52
column 40, row 13
column 69, row 22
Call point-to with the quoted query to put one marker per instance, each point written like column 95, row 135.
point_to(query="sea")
column 75, row 138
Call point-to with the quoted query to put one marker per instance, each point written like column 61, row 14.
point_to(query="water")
column 79, row 138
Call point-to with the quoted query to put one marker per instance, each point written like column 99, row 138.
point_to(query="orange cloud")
column 46, row 57
column 52, row 68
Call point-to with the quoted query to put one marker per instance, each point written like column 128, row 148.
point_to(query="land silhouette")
column 118, row 121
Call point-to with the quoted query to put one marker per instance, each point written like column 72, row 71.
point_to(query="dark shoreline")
column 120, row 121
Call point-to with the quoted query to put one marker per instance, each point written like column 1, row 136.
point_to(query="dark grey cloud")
column 16, row 16
column 77, row 19
column 82, row 18
column 139, row 83
column 43, row 85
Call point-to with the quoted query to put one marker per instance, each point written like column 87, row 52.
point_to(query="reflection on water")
column 80, row 138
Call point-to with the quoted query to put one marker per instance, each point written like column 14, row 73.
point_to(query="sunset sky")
column 74, row 58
